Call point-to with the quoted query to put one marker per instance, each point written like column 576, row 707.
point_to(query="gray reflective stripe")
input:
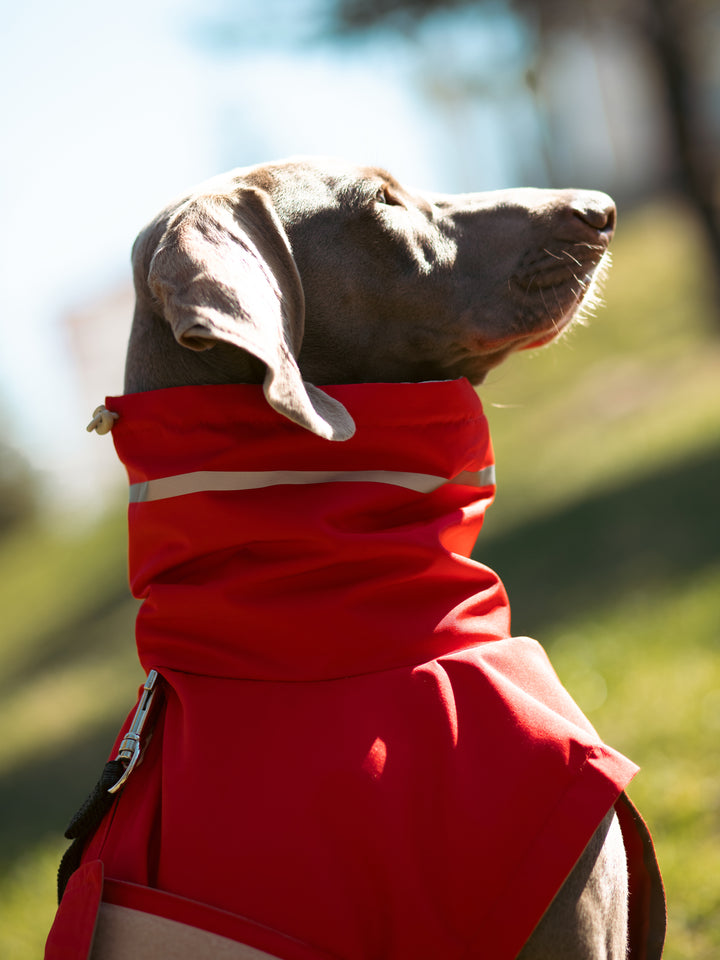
column 204, row 481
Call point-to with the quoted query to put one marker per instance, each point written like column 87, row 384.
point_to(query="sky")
column 108, row 111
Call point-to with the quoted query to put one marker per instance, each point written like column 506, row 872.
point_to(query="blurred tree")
column 678, row 34
column 18, row 487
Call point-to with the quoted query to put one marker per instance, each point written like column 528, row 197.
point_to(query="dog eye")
column 385, row 196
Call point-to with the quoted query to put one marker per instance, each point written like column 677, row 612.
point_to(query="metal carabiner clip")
column 130, row 747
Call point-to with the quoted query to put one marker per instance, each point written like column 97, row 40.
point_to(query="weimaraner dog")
column 373, row 282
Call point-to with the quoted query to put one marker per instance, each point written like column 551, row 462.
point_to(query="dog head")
column 308, row 272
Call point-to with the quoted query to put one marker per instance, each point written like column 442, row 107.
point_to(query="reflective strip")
column 205, row 481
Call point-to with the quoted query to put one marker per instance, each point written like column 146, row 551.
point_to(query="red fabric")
column 353, row 751
column 73, row 930
column 264, row 560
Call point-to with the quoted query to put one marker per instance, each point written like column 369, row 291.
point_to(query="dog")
column 420, row 295
column 296, row 275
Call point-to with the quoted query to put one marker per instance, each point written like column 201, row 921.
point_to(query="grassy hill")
column 606, row 531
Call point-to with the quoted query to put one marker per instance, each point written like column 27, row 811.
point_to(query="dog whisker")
column 547, row 311
column 571, row 257
column 582, row 284
column 590, row 246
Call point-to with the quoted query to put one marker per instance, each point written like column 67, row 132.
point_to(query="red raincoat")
column 354, row 758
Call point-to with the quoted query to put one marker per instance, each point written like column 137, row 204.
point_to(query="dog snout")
column 596, row 210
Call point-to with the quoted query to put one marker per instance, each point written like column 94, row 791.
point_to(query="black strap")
column 86, row 821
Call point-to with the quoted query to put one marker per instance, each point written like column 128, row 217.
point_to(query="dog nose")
column 597, row 210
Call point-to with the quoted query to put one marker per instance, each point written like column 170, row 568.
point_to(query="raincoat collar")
column 262, row 551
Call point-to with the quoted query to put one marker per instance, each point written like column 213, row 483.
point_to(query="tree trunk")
column 695, row 171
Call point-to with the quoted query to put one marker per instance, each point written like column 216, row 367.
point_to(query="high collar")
column 264, row 552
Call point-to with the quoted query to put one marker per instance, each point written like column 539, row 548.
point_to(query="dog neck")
column 262, row 551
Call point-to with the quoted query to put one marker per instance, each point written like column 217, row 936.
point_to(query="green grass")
column 27, row 900
column 68, row 674
column 648, row 676
column 67, row 636
column 606, row 531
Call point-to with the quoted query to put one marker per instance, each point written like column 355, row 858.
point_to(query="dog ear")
column 224, row 271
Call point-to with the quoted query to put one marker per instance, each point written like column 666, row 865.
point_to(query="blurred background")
column 606, row 528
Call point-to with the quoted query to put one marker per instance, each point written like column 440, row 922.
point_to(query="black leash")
column 108, row 788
